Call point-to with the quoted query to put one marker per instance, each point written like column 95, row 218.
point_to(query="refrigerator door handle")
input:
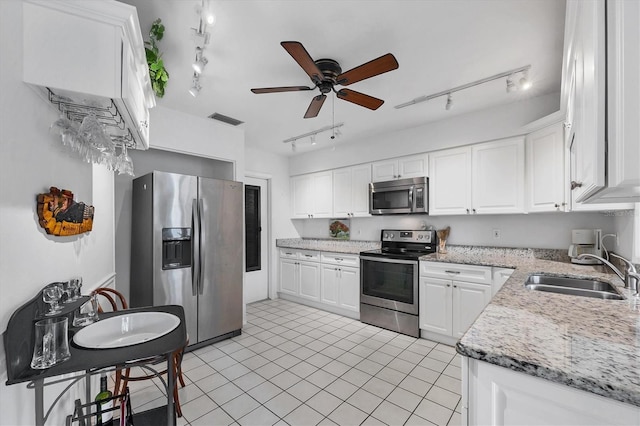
column 201, row 253
column 195, row 268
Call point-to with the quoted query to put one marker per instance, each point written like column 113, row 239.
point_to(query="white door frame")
column 257, row 175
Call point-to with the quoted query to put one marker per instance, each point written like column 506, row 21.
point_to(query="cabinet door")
column 469, row 300
column 301, row 196
column 497, row 182
column 289, row 276
column 349, row 289
column 450, row 182
column 412, row 166
column 322, row 194
column 329, row 285
column 435, row 305
column 545, row 170
column 342, row 188
column 360, row 179
column 133, row 95
column 384, row 170
column 309, row 276
column 589, row 112
column 623, row 102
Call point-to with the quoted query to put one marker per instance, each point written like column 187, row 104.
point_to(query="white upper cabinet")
column 545, row 170
column 96, row 58
column 311, row 195
column 486, row 178
column 400, row 168
column 450, row 181
column 351, row 191
column 601, row 94
column 497, row 170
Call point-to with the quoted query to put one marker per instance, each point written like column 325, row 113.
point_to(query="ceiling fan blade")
column 281, row 89
column 314, row 107
column 359, row 98
column 372, row 68
column 302, row 57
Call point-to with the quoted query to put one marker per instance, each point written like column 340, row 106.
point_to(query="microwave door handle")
column 411, row 206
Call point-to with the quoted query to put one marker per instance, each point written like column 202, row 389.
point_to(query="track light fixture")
column 510, row 84
column 525, row 84
column 195, row 86
column 200, row 62
column 312, row 135
column 449, row 102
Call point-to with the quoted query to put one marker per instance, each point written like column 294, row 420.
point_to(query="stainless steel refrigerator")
column 186, row 249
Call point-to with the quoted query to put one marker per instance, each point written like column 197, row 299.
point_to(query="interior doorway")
column 256, row 239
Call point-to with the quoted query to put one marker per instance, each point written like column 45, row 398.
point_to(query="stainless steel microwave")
column 400, row 196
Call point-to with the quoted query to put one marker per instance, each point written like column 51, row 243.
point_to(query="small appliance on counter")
column 585, row 241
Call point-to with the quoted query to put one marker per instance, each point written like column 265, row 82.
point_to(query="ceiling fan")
column 326, row 73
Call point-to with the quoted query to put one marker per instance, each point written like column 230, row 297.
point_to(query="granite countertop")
column 589, row 344
column 335, row 246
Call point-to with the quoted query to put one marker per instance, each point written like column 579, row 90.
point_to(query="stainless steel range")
column 389, row 280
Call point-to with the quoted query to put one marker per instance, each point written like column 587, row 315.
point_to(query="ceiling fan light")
column 449, row 102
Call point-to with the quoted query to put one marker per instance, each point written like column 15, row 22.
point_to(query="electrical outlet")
column 496, row 234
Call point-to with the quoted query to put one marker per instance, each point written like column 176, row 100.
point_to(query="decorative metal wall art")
column 60, row 215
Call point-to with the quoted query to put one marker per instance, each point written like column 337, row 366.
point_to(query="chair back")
column 114, row 297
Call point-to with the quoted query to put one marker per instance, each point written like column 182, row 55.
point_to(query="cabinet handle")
column 556, row 205
column 448, row 285
column 455, row 286
column 288, row 253
column 307, row 255
column 575, row 185
column 452, row 272
column 467, row 211
column 474, row 211
column 566, row 125
column 338, row 259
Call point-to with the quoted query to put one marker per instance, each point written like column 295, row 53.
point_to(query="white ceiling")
column 439, row 44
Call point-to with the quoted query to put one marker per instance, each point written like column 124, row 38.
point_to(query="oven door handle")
column 382, row 259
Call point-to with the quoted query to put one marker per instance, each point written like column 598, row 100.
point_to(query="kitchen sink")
column 573, row 286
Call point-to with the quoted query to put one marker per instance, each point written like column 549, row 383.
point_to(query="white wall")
column 176, row 131
column 548, row 230
column 479, row 126
column 276, row 168
column 31, row 160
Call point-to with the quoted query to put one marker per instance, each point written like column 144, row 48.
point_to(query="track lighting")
column 510, row 84
column 195, row 87
column 312, row 135
column 524, row 84
column 293, row 146
column 201, row 61
column 313, row 139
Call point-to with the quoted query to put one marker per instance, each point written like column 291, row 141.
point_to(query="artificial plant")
column 158, row 74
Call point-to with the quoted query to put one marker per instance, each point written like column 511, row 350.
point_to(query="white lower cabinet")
column 493, row 395
column 328, row 281
column 300, row 274
column 451, row 298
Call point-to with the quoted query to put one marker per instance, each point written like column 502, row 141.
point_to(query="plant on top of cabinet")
column 157, row 72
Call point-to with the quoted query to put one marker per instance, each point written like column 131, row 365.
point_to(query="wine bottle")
column 105, row 414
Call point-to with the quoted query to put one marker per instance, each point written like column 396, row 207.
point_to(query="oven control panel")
column 409, row 236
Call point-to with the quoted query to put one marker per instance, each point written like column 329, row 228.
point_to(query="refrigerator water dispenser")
column 176, row 248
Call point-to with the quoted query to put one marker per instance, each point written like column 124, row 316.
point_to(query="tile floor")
column 298, row 365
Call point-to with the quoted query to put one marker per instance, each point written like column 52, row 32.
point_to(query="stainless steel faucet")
column 630, row 276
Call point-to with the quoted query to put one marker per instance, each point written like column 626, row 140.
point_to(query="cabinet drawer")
column 286, row 253
column 309, row 256
column 341, row 259
column 458, row 272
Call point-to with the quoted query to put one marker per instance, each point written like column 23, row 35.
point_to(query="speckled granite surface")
column 585, row 343
column 336, row 246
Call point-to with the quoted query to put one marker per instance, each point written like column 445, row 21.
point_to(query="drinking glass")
column 76, row 284
column 51, row 342
column 87, row 313
column 52, row 294
column 68, row 290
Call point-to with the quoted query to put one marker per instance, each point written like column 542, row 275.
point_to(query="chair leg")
column 116, row 388
column 178, row 363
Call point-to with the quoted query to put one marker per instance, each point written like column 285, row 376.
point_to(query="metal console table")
column 19, row 342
